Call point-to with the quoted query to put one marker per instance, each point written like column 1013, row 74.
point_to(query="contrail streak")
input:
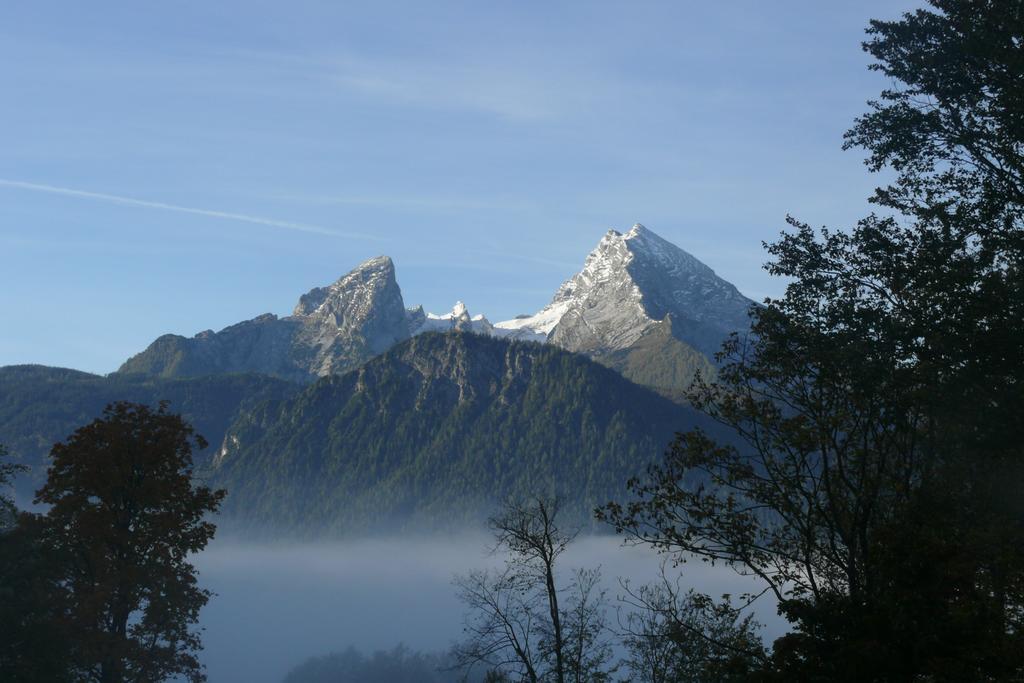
column 227, row 215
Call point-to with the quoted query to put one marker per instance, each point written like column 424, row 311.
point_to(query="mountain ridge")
column 41, row 405
column 630, row 284
column 331, row 329
column 437, row 430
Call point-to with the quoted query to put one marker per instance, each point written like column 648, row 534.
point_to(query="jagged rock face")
column 262, row 344
column 358, row 317
column 604, row 307
column 634, row 286
column 705, row 308
column 661, row 361
column 630, row 283
column 332, row 329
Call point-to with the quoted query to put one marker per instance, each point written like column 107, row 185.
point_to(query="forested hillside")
column 40, row 406
column 436, row 431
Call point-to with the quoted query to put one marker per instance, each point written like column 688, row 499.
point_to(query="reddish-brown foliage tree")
column 124, row 518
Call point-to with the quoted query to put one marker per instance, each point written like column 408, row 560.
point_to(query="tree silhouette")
column 877, row 491
column 522, row 622
column 7, row 472
column 124, row 517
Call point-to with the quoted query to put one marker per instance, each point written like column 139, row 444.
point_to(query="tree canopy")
column 8, row 470
column 877, row 492
column 105, row 573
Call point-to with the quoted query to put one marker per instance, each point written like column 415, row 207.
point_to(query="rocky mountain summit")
column 332, row 329
column 640, row 305
column 630, row 283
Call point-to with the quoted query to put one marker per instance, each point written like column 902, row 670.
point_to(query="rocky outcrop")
column 640, row 304
column 629, row 283
column 331, row 329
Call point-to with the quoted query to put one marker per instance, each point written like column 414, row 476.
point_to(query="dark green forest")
column 39, row 406
column 432, row 434
column 438, row 431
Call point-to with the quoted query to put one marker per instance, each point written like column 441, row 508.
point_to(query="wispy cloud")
column 400, row 201
column 226, row 215
column 509, row 90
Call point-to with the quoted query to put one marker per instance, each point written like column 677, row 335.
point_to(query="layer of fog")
column 277, row 605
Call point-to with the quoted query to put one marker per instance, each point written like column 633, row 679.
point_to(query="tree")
column 124, row 516
column 672, row 636
column 950, row 127
column 588, row 652
column 876, row 491
column 33, row 646
column 8, row 470
column 518, row 625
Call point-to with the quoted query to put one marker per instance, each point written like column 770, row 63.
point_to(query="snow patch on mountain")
column 537, row 326
column 456, row 319
column 629, row 283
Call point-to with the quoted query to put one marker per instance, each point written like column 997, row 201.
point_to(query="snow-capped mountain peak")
column 457, row 319
column 628, row 283
column 459, row 310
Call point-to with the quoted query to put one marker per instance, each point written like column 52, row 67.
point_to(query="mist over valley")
column 278, row 604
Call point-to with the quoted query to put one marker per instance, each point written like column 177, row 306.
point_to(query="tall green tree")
column 124, row 516
column 877, row 494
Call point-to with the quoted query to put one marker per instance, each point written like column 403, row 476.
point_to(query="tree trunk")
column 556, row 622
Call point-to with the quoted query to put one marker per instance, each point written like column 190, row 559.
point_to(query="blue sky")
column 173, row 167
